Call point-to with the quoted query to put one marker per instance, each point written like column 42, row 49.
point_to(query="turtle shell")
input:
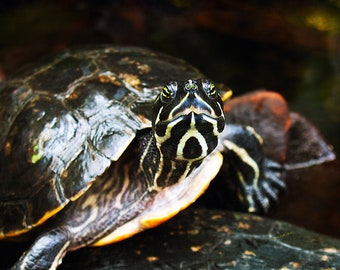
column 63, row 123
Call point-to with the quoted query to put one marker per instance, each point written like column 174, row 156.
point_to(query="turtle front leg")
column 46, row 252
column 255, row 180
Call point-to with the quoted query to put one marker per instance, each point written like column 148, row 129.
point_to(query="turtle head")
column 188, row 117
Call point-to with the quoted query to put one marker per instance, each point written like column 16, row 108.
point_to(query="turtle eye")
column 167, row 94
column 211, row 91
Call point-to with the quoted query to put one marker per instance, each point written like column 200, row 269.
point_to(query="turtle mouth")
column 204, row 116
column 192, row 120
column 190, row 117
column 192, row 103
column 193, row 110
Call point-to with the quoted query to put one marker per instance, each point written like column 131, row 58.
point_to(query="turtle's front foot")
column 264, row 192
column 255, row 180
column 46, row 253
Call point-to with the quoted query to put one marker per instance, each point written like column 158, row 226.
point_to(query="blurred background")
column 292, row 47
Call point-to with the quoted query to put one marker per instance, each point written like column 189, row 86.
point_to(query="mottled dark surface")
column 209, row 239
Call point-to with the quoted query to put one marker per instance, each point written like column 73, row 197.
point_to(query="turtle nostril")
column 191, row 87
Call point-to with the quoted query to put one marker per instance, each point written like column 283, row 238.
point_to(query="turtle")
column 100, row 143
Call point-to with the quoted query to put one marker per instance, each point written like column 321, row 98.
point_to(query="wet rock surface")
column 208, row 239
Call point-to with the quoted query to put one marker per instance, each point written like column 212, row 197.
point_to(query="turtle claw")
column 271, row 193
column 274, row 172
